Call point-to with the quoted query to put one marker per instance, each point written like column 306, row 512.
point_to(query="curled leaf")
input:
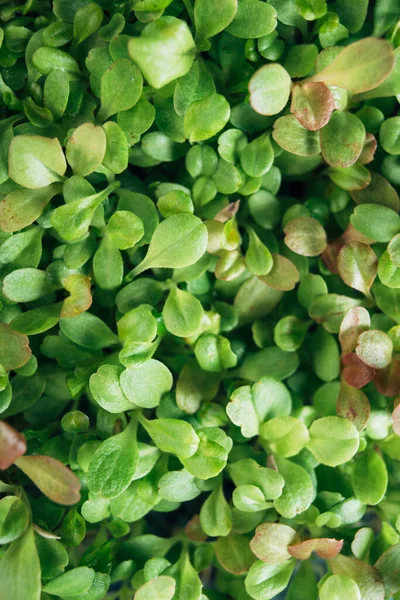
column 323, row 547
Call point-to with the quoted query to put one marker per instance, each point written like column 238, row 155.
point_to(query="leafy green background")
column 199, row 305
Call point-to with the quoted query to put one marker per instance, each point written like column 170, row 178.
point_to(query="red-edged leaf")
column 352, row 235
column 355, row 372
column 312, row 104
column 369, row 149
column 270, row 542
column 355, row 322
column 54, row 479
column 12, row 445
column 14, row 348
column 228, row 212
column 387, row 381
column 324, row 547
column 353, row 404
column 330, row 255
column 283, row 275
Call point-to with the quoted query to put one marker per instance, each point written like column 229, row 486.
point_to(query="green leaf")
column 22, row 207
column 290, row 135
column 116, row 154
column 233, row 553
column 259, row 259
column 303, row 582
column 106, row 389
column 172, row 435
column 164, row 52
column 253, row 20
column 210, row 19
column 178, row 486
column 178, row 242
column 35, row 162
column 56, row 92
column 378, row 190
column 87, row 21
column 289, row 333
column 46, row 58
column 360, row 67
column 215, row 514
column 113, row 465
column 298, row 492
column 248, row 409
column 357, row 266
column 14, row 348
column 20, row 569
column 108, row 266
column 376, row 222
column 162, row 588
column 25, row 285
column 188, row 583
column 72, row 583
column 195, row 85
column 211, row 456
column 14, row 519
column 144, row 384
column 257, row 157
column 247, row 472
column 120, row 88
column 271, row 362
column 369, row 477
column 125, row 229
column 86, row 148
column 339, row 586
column 333, row 440
column 264, row 582
column 72, row 220
column 88, row 331
column 285, row 436
column 214, row 353
column 53, row 478
column 206, row 117
column 388, row 568
column 342, row 139
column 269, row 89
column 182, row 313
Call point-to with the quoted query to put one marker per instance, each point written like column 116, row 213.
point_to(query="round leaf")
column 333, row 440
column 269, row 89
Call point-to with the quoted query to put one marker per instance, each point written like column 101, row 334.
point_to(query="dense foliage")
column 200, row 299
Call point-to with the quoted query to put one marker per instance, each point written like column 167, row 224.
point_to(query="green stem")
column 189, row 8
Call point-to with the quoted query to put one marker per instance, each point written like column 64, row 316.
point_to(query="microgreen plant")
column 199, row 299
